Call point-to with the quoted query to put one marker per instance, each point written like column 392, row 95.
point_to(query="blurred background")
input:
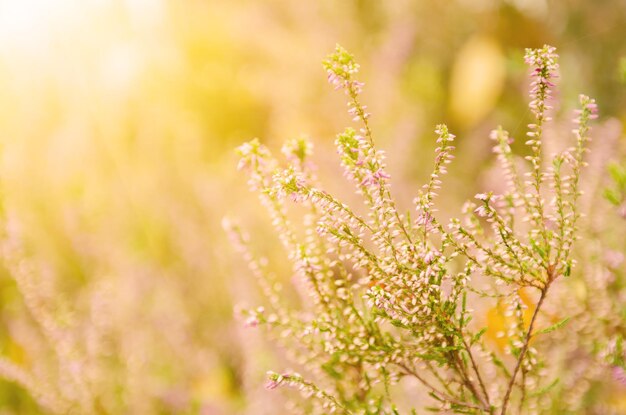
column 118, row 121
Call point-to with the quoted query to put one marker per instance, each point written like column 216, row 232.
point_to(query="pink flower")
column 622, row 210
column 275, row 380
column 482, row 211
column 430, row 256
column 380, row 174
column 619, row 375
column 425, row 219
column 272, row 384
column 251, row 321
column 613, row 258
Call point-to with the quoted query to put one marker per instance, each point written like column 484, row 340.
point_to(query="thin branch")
column 475, row 367
column 458, row 364
column 434, row 390
column 507, row 396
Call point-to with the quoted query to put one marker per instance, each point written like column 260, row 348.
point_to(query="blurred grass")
column 117, row 124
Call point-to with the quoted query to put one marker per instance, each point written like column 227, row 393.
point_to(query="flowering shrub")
column 390, row 296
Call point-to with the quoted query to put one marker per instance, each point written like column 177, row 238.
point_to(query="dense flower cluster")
column 391, row 293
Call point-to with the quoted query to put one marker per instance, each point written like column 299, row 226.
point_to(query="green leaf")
column 499, row 363
column 546, row 389
column 330, row 370
column 398, row 323
column 478, row 335
column 618, row 173
column 554, row 326
column 612, row 196
column 568, row 269
column 538, row 249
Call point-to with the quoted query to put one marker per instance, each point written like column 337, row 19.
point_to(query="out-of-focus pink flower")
column 619, row 374
column 613, row 258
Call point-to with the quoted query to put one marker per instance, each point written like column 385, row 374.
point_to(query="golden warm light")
column 122, row 293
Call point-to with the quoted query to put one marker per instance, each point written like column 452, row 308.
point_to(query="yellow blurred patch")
column 498, row 322
column 478, row 76
column 214, row 387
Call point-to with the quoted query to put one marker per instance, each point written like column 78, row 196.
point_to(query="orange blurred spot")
column 498, row 323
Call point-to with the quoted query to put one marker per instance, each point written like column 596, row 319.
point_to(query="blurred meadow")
column 118, row 121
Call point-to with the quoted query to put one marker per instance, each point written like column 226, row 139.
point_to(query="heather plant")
column 115, row 347
column 388, row 320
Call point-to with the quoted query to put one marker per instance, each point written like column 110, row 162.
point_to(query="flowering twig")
column 388, row 295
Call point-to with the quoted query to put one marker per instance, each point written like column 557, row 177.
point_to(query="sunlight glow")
column 31, row 24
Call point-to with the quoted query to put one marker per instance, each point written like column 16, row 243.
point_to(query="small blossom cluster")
column 543, row 63
column 544, row 66
column 341, row 68
column 387, row 297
